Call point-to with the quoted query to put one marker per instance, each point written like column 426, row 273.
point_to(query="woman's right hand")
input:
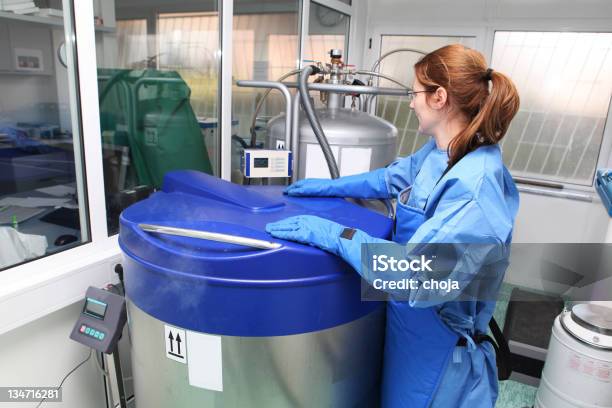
column 309, row 187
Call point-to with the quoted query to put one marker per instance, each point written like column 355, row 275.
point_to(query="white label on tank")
column 354, row 160
column 176, row 344
column 205, row 361
column 316, row 166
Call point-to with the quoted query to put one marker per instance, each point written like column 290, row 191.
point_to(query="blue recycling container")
column 277, row 327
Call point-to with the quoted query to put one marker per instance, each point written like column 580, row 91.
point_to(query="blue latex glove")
column 308, row 229
column 323, row 233
column 365, row 185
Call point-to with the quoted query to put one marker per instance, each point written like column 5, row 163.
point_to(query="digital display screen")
column 260, row 162
column 95, row 308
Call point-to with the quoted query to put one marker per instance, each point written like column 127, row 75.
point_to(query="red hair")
column 463, row 72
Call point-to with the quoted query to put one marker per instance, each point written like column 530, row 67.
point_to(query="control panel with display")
column 101, row 320
column 258, row 163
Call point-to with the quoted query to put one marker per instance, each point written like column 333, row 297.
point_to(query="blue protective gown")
column 475, row 202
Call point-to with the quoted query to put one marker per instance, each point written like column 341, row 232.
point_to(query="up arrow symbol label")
column 178, row 351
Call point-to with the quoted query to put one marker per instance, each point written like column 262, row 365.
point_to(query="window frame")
column 604, row 157
column 583, row 193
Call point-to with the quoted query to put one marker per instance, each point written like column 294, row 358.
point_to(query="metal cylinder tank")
column 578, row 368
column 217, row 324
column 360, row 142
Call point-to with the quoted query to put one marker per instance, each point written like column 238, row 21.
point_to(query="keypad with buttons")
column 91, row 332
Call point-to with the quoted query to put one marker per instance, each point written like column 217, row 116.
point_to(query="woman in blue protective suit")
column 455, row 189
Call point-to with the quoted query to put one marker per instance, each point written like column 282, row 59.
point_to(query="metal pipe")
column 260, row 105
column 335, row 99
column 210, row 236
column 368, row 101
column 555, row 193
column 368, row 98
column 387, row 77
column 314, row 121
column 358, row 89
column 385, row 55
column 537, row 183
column 119, row 378
column 281, row 87
column 295, row 135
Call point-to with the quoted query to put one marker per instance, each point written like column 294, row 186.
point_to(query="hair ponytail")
column 466, row 77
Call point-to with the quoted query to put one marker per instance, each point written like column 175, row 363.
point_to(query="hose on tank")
column 314, row 121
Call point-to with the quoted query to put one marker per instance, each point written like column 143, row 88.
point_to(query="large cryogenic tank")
column 217, row 324
column 360, row 142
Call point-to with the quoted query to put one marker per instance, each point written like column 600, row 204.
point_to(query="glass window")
column 396, row 109
column 42, row 195
column 132, row 42
column 158, row 81
column 327, row 29
column 265, row 48
column 564, row 80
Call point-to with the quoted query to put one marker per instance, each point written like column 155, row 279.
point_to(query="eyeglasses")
column 412, row 94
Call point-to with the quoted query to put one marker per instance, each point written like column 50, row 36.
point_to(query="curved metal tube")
column 281, row 87
column 388, row 78
column 314, row 122
column 366, row 105
column 368, row 98
column 261, row 102
column 385, row 55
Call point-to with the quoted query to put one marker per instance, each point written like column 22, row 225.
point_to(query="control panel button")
column 88, row 330
column 101, row 336
column 82, row 329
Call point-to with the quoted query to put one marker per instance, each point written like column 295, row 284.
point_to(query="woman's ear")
column 438, row 98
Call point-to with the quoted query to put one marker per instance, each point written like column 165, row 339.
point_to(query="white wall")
column 548, row 220
column 37, row 100
column 34, row 96
column 40, row 354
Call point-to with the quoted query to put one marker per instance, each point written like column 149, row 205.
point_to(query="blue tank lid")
column 230, row 289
